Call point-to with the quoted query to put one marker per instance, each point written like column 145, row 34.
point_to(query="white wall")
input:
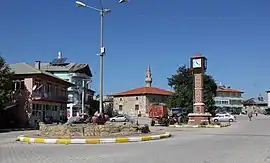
column 128, row 104
column 268, row 99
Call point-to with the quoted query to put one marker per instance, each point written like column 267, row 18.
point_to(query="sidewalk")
column 9, row 136
column 16, row 129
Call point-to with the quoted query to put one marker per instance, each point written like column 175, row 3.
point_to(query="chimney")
column 59, row 55
column 220, row 84
column 37, row 65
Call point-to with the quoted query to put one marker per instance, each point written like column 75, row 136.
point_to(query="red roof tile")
column 197, row 55
column 222, row 89
column 144, row 91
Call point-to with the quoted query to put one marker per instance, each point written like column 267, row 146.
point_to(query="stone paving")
column 244, row 141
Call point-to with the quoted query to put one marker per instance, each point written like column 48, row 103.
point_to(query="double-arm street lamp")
column 102, row 12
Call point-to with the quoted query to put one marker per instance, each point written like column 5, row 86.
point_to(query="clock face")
column 197, row 63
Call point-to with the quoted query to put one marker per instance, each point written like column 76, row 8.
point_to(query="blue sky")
column 234, row 35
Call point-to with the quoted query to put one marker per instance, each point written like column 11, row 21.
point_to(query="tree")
column 182, row 83
column 108, row 109
column 5, row 82
column 93, row 107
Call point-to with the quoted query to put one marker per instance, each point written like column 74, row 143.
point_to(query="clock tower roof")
column 198, row 55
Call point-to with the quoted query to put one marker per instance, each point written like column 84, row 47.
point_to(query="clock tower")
column 198, row 65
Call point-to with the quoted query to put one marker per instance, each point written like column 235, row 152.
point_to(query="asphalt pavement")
column 245, row 141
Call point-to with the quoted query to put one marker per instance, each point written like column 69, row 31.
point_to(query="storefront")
column 55, row 111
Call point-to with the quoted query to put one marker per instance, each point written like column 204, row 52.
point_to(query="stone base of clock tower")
column 199, row 118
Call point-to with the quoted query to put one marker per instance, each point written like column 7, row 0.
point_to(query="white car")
column 119, row 118
column 224, row 118
column 226, row 113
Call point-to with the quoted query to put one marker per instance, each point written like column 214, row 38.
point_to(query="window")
column 37, row 83
column 47, row 107
column 49, row 87
column 225, row 102
column 43, row 87
column 53, row 89
column 121, row 99
column 238, row 94
column 18, row 84
column 227, row 94
column 120, row 107
column 137, row 98
column 235, row 102
column 54, row 108
column 220, row 94
column 38, row 107
column 22, row 86
column 218, row 102
column 56, row 90
column 136, row 107
column 63, row 92
column 79, row 83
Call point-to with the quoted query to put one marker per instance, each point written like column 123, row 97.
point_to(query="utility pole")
column 83, row 89
column 102, row 12
column 102, row 52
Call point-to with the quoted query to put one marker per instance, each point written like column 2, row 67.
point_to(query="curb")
column 22, row 138
column 198, row 126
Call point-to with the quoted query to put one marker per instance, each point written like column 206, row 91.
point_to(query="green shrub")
column 216, row 123
column 204, row 124
column 185, row 120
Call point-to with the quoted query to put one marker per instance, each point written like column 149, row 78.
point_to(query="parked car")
column 243, row 113
column 119, row 118
column 224, row 118
column 223, row 113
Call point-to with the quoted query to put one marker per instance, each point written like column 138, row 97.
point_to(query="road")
column 246, row 141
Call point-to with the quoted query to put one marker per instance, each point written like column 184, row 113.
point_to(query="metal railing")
column 49, row 96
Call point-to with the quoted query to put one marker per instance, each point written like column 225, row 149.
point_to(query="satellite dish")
column 34, row 88
column 123, row 1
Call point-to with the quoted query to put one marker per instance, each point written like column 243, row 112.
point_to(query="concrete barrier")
column 22, row 138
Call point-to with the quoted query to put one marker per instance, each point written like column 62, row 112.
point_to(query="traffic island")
column 201, row 126
column 92, row 140
column 90, row 130
column 92, row 134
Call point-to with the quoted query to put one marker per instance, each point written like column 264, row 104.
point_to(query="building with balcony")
column 256, row 104
column 39, row 94
column 78, row 74
column 228, row 99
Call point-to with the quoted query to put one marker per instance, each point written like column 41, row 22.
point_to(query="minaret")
column 148, row 78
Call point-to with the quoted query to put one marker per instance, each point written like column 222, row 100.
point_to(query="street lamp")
column 102, row 12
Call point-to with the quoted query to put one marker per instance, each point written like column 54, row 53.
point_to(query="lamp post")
column 102, row 12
